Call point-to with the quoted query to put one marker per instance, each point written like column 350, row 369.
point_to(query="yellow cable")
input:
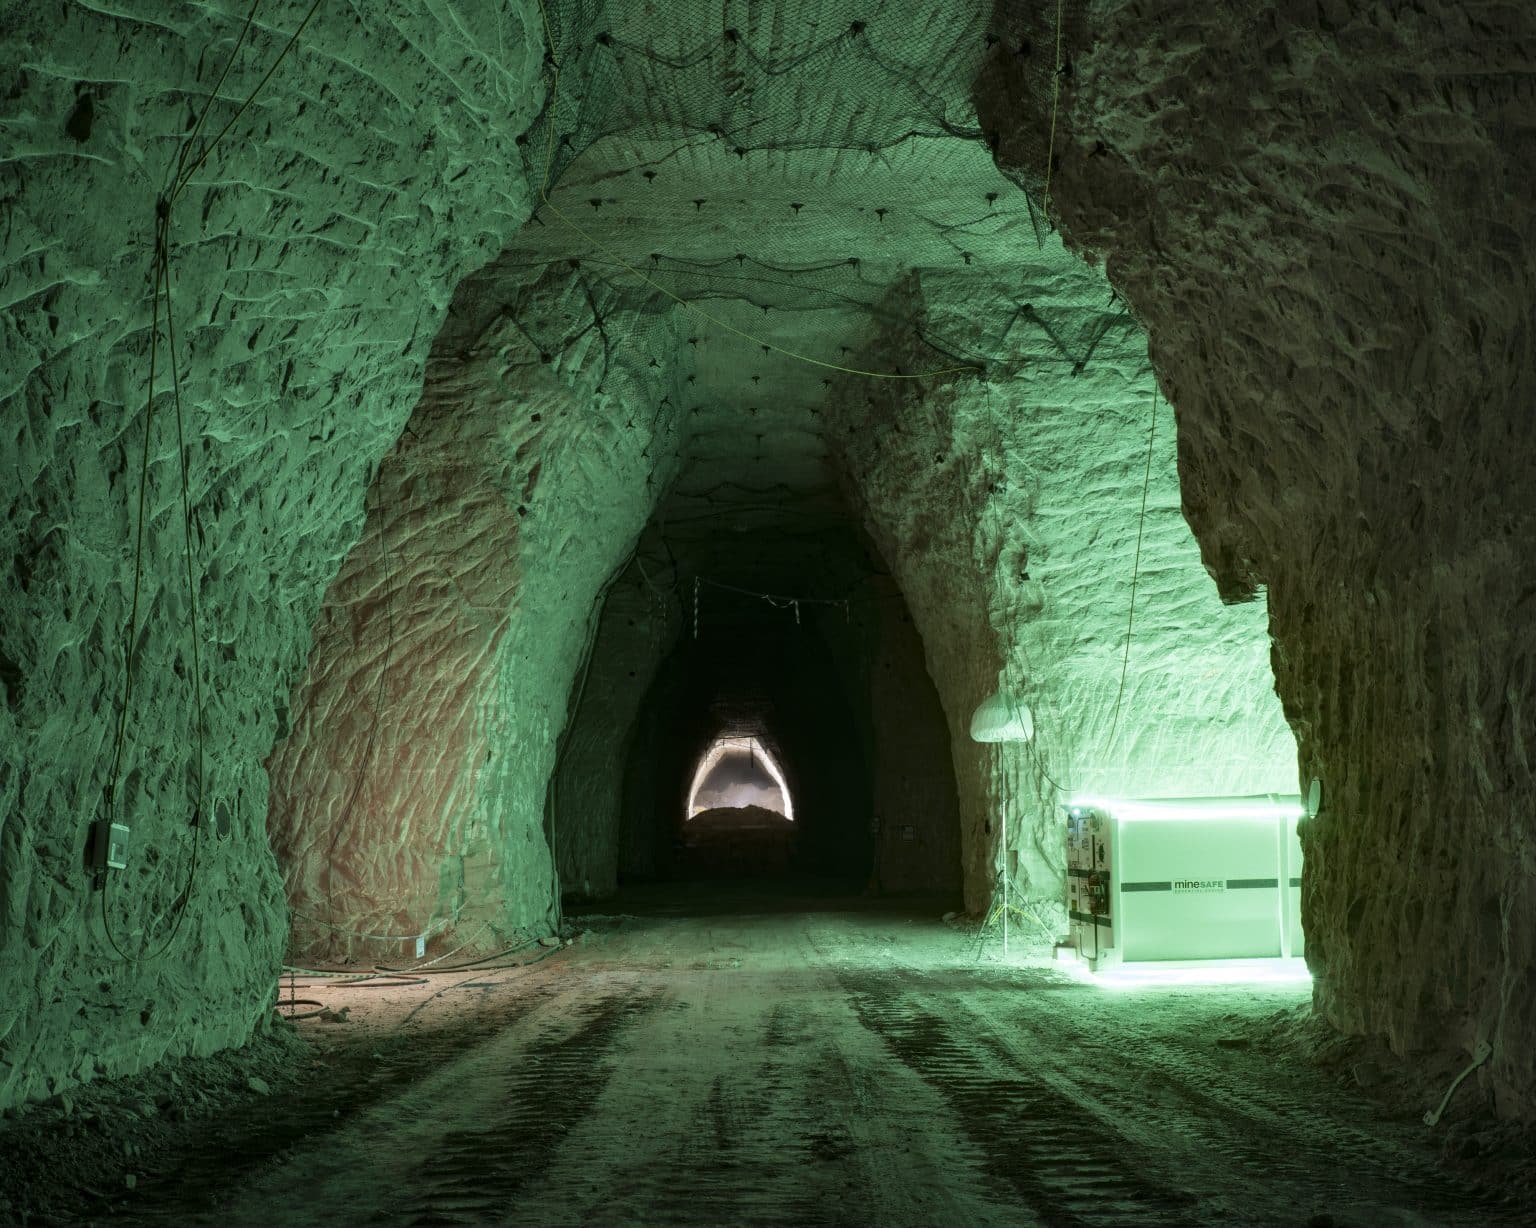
column 549, row 158
column 1050, row 150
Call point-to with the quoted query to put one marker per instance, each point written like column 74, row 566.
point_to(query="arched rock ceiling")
column 817, row 178
column 391, row 166
column 787, row 168
column 811, row 280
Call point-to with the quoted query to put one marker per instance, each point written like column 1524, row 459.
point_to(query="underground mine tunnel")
column 1081, row 451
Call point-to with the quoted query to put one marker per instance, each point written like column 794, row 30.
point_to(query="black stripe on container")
column 1087, row 918
column 1233, row 884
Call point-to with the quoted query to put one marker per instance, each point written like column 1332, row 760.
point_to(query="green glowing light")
column 1278, row 973
column 1132, row 810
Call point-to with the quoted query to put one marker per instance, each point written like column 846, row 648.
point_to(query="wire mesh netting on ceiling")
column 729, row 80
column 940, row 321
column 758, row 75
column 844, row 286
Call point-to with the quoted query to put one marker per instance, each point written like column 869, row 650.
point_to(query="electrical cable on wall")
column 354, row 980
column 1141, row 524
column 1050, row 156
column 434, row 927
column 185, row 173
column 781, row 599
column 466, row 965
column 161, row 277
column 777, row 600
column 162, row 293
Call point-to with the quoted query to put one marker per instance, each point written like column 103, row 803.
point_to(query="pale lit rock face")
column 409, row 797
column 313, row 258
column 1011, row 510
column 1321, row 213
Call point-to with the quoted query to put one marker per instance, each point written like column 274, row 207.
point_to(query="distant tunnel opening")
column 737, row 773
column 804, row 739
column 739, row 821
column 794, row 691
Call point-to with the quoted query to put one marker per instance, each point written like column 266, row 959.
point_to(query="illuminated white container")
column 1184, row 878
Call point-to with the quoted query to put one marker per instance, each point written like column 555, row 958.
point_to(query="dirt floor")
column 734, row 1059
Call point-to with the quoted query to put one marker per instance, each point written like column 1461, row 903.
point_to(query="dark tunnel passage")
column 762, row 675
column 834, row 685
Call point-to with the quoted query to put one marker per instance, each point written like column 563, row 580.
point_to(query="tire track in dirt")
column 1292, row 1146
column 1057, row 1155
column 236, row 1152
column 1197, row 1135
column 408, row 1156
column 809, row 1072
column 700, row 1133
column 472, row 1174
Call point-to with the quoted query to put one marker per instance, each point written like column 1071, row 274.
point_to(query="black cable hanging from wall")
column 162, row 295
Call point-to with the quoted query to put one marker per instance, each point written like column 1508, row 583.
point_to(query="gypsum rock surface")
column 1322, row 216
column 1010, row 507
column 409, row 799
column 311, row 267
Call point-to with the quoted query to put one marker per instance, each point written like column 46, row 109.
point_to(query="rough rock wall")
column 637, row 626
column 918, row 509
column 1010, row 508
column 903, row 742
column 648, row 787
column 1321, row 213
column 409, row 798
column 312, row 258
column 918, row 841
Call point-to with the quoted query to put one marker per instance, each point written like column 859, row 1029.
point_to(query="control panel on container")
column 1090, row 861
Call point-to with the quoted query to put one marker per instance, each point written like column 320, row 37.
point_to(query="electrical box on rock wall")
column 1184, row 879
